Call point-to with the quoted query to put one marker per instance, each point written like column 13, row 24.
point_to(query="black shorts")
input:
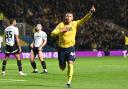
column 11, row 49
column 126, row 47
column 66, row 54
column 35, row 50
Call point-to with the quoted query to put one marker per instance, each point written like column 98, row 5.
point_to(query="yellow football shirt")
column 126, row 40
column 67, row 39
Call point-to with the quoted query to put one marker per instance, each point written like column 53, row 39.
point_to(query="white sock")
column 35, row 70
column 69, row 82
column 20, row 71
column 45, row 70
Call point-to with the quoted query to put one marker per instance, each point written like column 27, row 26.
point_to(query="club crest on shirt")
column 69, row 28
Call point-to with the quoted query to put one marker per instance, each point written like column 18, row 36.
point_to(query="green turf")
column 89, row 73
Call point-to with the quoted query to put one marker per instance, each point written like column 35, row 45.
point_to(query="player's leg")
column 19, row 64
column 43, row 63
column 7, row 53
column 32, row 61
column 70, row 59
column 4, row 63
column 70, row 73
column 16, row 53
column 61, row 59
column 126, row 50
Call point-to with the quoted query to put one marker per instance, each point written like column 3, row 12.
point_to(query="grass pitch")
column 89, row 73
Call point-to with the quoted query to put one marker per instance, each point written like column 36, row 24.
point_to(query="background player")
column 66, row 32
column 40, row 40
column 12, row 45
column 126, row 44
column 1, row 42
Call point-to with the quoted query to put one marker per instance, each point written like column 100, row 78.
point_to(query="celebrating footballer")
column 66, row 32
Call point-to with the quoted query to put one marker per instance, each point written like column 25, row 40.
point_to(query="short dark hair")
column 11, row 20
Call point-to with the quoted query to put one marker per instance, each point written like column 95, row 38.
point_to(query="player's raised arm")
column 87, row 16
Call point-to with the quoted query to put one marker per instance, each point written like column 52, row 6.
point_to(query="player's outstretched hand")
column 93, row 8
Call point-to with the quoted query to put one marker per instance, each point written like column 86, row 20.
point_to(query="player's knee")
column 70, row 62
column 5, row 60
column 62, row 67
column 41, row 59
column 32, row 57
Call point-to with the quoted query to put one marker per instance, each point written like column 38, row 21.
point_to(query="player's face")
column 68, row 17
column 38, row 27
column 14, row 22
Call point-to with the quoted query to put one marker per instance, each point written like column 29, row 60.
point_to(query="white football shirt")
column 39, row 37
column 1, row 40
column 10, row 33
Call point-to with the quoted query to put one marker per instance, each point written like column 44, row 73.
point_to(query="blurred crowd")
column 100, row 35
column 97, row 34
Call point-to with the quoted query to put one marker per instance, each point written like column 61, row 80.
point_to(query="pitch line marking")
column 10, row 80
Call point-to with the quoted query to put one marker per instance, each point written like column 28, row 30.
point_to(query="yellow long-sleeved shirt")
column 67, row 39
column 1, row 16
column 126, row 40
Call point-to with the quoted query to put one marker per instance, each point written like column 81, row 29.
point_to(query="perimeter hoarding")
column 78, row 54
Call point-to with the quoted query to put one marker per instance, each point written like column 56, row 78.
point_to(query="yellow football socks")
column 70, row 73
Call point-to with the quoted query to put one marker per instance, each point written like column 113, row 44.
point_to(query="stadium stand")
column 104, row 30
